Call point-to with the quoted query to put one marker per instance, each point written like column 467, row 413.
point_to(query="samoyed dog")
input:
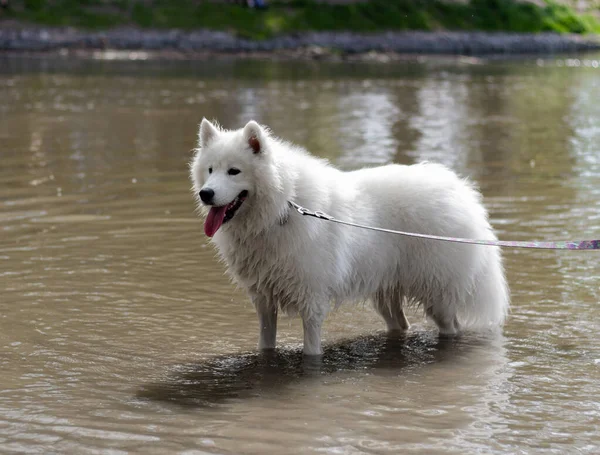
column 243, row 181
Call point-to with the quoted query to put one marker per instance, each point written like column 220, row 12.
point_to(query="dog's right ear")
column 207, row 132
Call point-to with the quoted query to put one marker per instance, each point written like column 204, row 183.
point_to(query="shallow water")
column 120, row 333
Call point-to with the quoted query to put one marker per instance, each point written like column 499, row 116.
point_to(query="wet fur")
column 301, row 265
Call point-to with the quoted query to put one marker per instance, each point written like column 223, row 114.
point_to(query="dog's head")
column 225, row 171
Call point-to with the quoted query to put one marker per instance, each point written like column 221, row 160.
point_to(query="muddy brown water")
column 120, row 333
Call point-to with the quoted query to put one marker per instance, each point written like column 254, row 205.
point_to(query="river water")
column 120, row 333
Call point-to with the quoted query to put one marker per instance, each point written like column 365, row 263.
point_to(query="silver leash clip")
column 304, row 211
column 323, row 215
column 299, row 209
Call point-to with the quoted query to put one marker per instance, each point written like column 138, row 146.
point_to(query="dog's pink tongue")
column 214, row 220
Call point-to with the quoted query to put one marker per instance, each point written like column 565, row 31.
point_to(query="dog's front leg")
column 312, row 334
column 266, row 309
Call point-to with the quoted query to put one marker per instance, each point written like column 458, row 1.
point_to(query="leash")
column 556, row 245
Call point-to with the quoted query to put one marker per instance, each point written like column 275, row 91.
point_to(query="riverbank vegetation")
column 291, row 16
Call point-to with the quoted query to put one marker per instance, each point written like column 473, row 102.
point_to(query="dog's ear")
column 207, row 132
column 253, row 135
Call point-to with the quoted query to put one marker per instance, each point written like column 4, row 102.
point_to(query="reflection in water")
column 352, row 376
column 256, row 374
column 119, row 328
column 366, row 121
column 442, row 107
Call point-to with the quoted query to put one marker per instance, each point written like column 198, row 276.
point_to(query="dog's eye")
column 233, row 171
column 210, row 170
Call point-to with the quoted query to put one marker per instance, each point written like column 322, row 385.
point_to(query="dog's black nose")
column 206, row 194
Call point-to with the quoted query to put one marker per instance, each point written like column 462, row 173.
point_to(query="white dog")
column 300, row 265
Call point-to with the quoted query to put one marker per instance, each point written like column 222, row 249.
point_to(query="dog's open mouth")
column 219, row 215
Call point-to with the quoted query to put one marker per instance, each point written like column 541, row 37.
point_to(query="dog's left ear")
column 253, row 136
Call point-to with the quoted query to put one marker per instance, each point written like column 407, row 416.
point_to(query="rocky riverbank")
column 44, row 39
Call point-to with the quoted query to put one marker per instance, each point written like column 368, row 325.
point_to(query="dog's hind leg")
column 311, row 326
column 389, row 305
column 266, row 309
column 446, row 321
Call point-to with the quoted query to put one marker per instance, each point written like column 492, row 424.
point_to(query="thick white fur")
column 303, row 265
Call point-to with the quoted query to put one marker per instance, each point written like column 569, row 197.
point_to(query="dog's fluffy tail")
column 488, row 306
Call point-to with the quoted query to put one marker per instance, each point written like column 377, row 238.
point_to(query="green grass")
column 304, row 15
column 78, row 13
